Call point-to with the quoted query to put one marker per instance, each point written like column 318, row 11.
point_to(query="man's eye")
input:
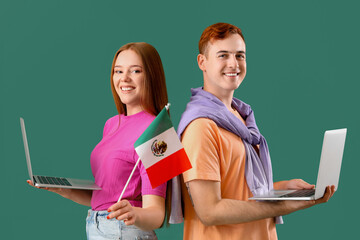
column 222, row 56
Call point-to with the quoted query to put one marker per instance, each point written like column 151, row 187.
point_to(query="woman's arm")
column 79, row 196
column 149, row 217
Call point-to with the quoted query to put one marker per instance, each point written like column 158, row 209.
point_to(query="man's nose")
column 233, row 62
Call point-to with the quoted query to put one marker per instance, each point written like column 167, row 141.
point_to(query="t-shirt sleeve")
column 201, row 143
column 106, row 127
column 111, row 125
column 146, row 188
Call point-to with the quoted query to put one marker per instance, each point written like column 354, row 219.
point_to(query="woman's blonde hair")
column 153, row 96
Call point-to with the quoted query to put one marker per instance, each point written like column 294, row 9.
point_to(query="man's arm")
column 214, row 210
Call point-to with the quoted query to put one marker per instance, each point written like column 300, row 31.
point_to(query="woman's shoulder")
column 110, row 124
column 141, row 118
column 137, row 123
column 148, row 116
column 112, row 120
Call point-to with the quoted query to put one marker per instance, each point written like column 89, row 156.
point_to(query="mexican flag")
column 160, row 150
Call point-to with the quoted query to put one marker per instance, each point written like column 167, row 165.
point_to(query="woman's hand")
column 293, row 184
column 79, row 196
column 123, row 211
column 148, row 217
column 64, row 192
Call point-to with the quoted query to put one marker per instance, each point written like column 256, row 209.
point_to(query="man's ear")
column 201, row 60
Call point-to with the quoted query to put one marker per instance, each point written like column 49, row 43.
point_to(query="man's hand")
column 207, row 195
column 293, row 184
column 289, row 206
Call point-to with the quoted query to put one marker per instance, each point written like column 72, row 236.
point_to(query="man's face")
column 224, row 65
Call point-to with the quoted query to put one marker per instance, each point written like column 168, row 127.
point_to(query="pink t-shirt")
column 113, row 159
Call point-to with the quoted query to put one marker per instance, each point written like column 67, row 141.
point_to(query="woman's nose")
column 125, row 77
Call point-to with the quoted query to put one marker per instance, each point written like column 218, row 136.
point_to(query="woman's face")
column 129, row 79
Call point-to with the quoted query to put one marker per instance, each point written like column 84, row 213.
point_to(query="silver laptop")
column 53, row 182
column 328, row 174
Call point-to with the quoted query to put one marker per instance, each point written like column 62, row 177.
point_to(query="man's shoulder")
column 202, row 122
column 201, row 128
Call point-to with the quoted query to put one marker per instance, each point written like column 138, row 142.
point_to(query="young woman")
column 139, row 91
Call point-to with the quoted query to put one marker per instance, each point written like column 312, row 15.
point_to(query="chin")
column 237, row 85
column 124, row 100
column 232, row 87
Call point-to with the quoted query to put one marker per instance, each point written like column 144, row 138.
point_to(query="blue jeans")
column 98, row 227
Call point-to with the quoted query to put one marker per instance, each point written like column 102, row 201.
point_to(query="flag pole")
column 127, row 183
column 167, row 106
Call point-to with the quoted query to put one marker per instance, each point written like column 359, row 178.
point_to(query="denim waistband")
column 98, row 227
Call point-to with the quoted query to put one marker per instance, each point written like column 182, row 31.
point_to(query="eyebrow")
column 224, row 51
column 130, row 66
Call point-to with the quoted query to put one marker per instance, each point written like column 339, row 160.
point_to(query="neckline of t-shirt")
column 136, row 115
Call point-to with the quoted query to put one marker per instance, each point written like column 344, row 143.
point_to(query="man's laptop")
column 329, row 171
column 53, row 182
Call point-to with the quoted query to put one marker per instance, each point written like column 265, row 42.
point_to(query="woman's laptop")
column 329, row 171
column 53, row 182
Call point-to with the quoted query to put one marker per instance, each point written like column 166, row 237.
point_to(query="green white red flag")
column 161, row 151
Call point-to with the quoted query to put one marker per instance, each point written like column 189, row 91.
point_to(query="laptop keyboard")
column 54, row 181
column 301, row 193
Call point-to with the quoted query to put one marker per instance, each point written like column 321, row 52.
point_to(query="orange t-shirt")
column 219, row 155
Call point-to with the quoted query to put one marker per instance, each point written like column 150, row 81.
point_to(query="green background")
column 55, row 59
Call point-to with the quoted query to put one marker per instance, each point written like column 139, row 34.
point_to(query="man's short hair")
column 215, row 32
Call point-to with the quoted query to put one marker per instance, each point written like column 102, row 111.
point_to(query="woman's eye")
column 117, row 71
column 136, row 71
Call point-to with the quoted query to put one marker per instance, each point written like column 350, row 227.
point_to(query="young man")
column 219, row 135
